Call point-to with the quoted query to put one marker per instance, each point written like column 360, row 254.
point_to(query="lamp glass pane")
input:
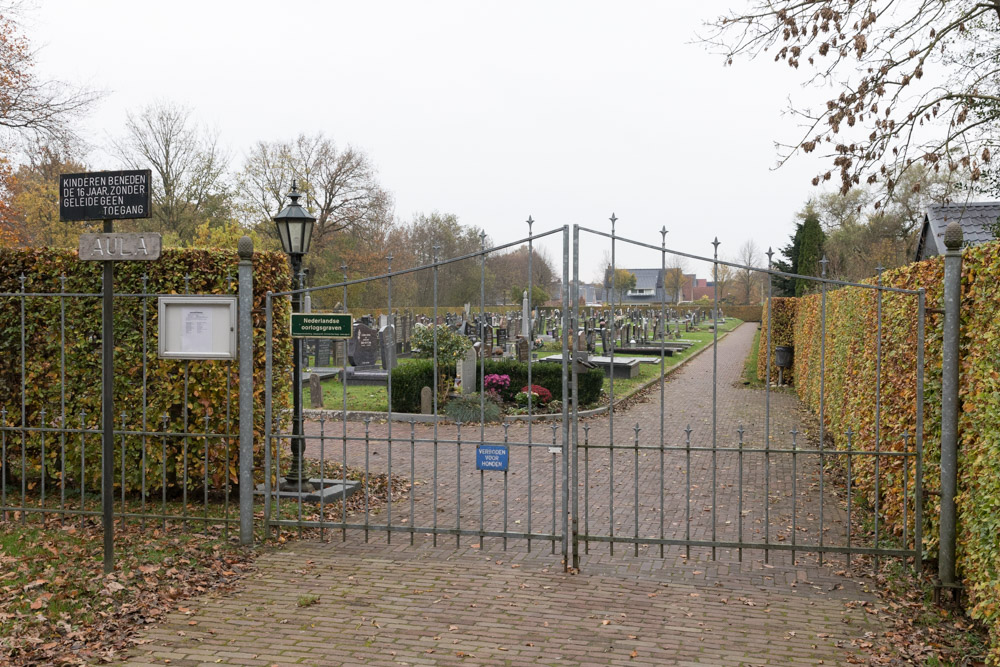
column 286, row 243
column 295, row 235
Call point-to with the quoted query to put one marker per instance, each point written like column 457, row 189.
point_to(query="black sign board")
column 105, row 195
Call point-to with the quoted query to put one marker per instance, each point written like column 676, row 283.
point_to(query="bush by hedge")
column 213, row 386
column 408, row 379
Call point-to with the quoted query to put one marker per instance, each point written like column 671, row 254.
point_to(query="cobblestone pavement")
column 477, row 599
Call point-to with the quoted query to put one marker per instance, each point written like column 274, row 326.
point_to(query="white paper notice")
column 197, row 334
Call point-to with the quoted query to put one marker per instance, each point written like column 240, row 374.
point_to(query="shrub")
column 543, row 394
column 496, row 383
column 544, row 374
column 451, row 345
column 409, row 379
column 468, row 409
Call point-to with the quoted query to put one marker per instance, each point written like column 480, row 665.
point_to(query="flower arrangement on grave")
column 535, row 394
column 495, row 384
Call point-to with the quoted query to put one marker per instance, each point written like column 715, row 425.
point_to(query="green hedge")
column 213, row 386
column 851, row 344
column 409, row 379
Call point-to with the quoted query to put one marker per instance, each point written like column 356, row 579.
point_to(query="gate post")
column 949, row 401
column 245, row 328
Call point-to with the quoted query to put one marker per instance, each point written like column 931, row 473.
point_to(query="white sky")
column 494, row 111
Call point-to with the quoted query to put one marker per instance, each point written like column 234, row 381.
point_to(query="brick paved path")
column 477, row 603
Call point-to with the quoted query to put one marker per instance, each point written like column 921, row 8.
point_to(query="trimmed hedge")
column 782, row 333
column 851, row 345
column 408, row 379
column 213, row 386
column 745, row 313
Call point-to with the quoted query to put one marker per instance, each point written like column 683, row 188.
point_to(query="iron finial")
column 613, row 219
column 770, row 254
column 530, row 222
column 824, row 262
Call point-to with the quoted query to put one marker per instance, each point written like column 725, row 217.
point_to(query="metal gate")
column 699, row 466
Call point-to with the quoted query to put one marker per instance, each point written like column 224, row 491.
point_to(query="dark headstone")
column 324, row 347
column 362, row 348
column 387, row 347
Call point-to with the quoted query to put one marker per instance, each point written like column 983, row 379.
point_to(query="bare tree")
column 748, row 257
column 913, row 83
column 29, row 107
column 674, row 278
column 340, row 185
column 188, row 166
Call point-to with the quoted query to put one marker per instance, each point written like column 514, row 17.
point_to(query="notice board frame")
column 222, row 344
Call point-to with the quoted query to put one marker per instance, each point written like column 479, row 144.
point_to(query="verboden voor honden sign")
column 105, row 195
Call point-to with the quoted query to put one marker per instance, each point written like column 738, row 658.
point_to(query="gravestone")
column 502, row 337
column 591, row 341
column 387, row 347
column 581, row 342
column 605, row 340
column 523, row 349
column 315, row 392
column 362, row 348
column 466, row 372
column 426, row 401
column 488, row 340
column 323, row 349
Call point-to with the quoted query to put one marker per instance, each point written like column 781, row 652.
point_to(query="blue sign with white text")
column 491, row 457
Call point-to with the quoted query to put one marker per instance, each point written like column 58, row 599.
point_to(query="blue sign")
column 491, row 457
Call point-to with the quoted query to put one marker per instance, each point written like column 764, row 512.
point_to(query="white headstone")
column 467, row 372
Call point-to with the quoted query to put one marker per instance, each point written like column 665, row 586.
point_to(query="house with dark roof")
column 649, row 287
column 976, row 219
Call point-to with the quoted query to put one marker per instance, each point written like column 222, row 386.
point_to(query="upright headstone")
column 323, row 348
column 466, row 372
column 315, row 392
column 605, row 340
column 387, row 347
column 488, row 340
column 523, row 349
column 362, row 348
column 502, row 337
column 426, row 401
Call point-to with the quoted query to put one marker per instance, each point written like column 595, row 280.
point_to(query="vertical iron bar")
column 795, row 471
column 918, row 478
column 878, row 407
column 586, row 487
column 482, row 379
column 83, row 465
column 434, row 397
column 145, row 378
column 458, row 485
column 663, row 371
column 635, row 501
column 850, row 491
column 739, row 501
column 42, row 462
column 767, row 417
column 62, row 400
column 552, row 543
column 715, row 383
column 124, row 509
column 343, row 387
column 506, row 426
column 368, row 421
column 322, row 474
column 906, row 487
column 568, row 334
column 611, row 398
column 822, row 407
column 413, row 486
column 392, row 323
column 951, row 351
column 687, row 490
column 268, row 416
column 4, row 465
column 531, row 341
column 575, row 393
column 163, row 470
column 24, row 417
column 107, row 409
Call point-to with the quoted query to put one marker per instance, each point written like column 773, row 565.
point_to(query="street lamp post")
column 295, row 227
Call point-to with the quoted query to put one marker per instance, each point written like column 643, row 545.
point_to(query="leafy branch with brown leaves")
column 917, row 82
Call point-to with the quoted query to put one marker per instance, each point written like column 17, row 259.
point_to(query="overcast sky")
column 493, row 111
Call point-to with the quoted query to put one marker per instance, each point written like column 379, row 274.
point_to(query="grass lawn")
column 750, row 366
column 375, row 399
